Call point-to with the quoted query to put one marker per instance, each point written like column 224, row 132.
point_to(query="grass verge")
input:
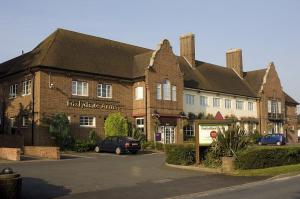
column 271, row 171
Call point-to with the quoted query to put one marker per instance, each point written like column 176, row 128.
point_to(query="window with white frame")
column 250, row 106
column 12, row 122
column 139, row 93
column 140, row 124
column 79, row 88
column 174, row 93
column 104, row 90
column 166, row 90
column 227, row 103
column 87, row 121
column 239, row 105
column 25, row 121
column 216, row 102
column 189, row 99
column 13, row 90
column 27, row 87
column 158, row 91
column 188, row 132
column 203, row 101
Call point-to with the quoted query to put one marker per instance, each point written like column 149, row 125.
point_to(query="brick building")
column 89, row 77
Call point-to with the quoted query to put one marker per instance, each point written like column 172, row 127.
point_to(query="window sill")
column 87, row 126
column 104, row 97
column 26, row 94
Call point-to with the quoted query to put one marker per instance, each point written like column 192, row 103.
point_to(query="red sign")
column 213, row 134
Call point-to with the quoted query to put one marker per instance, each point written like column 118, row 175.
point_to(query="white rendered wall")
column 196, row 108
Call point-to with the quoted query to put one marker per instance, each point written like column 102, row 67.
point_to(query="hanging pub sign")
column 83, row 104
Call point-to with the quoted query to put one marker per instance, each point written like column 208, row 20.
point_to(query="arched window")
column 166, row 90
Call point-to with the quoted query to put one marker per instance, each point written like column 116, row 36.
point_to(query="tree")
column 59, row 128
column 116, row 124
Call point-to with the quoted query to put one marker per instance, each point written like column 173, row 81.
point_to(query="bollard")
column 10, row 184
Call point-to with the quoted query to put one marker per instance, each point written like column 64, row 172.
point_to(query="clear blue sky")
column 266, row 30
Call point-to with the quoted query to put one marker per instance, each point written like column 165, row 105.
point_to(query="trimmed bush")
column 116, row 125
column 264, row 157
column 180, row 154
column 150, row 145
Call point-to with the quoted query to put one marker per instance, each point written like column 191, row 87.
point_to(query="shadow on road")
column 38, row 188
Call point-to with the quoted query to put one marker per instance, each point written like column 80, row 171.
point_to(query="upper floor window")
column 79, row 88
column 104, row 90
column 174, row 93
column 13, row 90
column 166, row 90
column 27, row 87
column 239, row 104
column 227, row 103
column 189, row 99
column 139, row 93
column 87, row 121
column 158, row 91
column 203, row 101
column 274, row 106
column 250, row 106
column 216, row 102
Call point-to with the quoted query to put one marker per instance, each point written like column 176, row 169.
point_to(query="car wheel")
column 259, row 143
column 278, row 143
column 118, row 150
column 97, row 149
column 133, row 152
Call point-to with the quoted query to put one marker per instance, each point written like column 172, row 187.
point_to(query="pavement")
column 105, row 175
column 284, row 187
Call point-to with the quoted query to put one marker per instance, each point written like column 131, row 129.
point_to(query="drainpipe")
column 33, row 101
column 146, row 111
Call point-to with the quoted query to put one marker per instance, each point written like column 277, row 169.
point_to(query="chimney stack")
column 187, row 48
column 234, row 60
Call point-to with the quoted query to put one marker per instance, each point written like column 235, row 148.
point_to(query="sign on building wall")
column 207, row 132
column 91, row 105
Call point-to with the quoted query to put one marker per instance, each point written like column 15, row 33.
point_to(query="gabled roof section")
column 290, row 100
column 255, row 79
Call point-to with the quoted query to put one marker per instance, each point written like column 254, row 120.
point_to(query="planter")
column 228, row 164
column 10, row 186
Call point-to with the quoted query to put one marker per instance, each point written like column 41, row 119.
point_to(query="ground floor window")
column 87, row 121
column 25, row 121
column 188, row 133
column 140, row 124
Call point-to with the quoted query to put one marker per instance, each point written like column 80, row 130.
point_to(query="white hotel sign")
column 205, row 133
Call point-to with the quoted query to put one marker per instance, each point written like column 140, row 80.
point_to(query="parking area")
column 93, row 175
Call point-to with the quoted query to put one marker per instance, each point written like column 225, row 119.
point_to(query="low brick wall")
column 43, row 152
column 10, row 154
column 12, row 141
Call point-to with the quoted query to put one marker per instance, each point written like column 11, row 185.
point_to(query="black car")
column 118, row 144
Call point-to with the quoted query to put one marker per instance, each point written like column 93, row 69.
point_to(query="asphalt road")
column 111, row 176
column 281, row 188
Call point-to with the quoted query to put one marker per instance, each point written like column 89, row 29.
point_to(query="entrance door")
column 169, row 135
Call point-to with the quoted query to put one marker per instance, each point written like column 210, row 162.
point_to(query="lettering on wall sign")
column 92, row 105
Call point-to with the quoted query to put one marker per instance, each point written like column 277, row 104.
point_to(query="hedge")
column 151, row 146
column 180, row 154
column 264, row 157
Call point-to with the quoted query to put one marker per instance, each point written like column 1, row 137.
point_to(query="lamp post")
column 155, row 116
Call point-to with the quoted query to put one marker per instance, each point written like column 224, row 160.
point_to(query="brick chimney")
column 234, row 60
column 187, row 48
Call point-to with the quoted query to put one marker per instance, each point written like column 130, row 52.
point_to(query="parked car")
column 118, row 145
column 277, row 139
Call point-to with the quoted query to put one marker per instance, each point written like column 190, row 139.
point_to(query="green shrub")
column 227, row 144
column 84, row 145
column 116, row 125
column 180, row 154
column 151, row 146
column 59, row 128
column 264, row 157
